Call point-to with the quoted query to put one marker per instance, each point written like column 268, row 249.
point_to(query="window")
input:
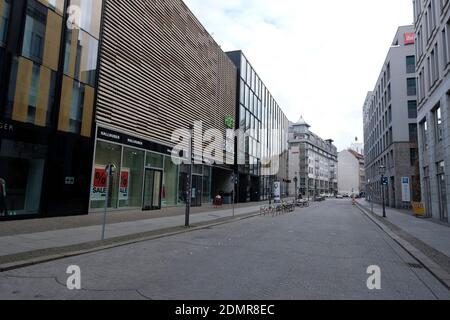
column 90, row 15
column 22, row 168
column 420, row 42
column 41, row 41
column 424, row 133
column 243, row 68
column 410, row 64
column 438, row 124
column 412, row 109
column 442, row 4
column 388, row 71
column 433, row 67
column 131, row 173
column 105, row 153
column 56, row 5
column 5, row 8
column 33, row 43
column 422, row 91
column 413, row 132
column 76, row 110
column 445, row 44
column 80, row 61
column 413, row 156
column 431, row 19
column 411, row 84
column 31, row 93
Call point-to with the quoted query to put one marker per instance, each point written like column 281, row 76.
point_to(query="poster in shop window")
column 98, row 192
column 124, row 184
column 406, row 189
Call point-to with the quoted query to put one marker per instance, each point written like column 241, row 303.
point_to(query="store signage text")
column 118, row 137
column 6, row 127
column 110, row 135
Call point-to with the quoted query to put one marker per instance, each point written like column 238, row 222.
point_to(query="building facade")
column 351, row 173
column 262, row 157
column 390, row 126
column 79, row 90
column 313, row 161
column 160, row 71
column 432, row 27
column 48, row 80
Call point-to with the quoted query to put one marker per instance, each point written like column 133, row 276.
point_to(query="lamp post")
column 382, row 173
column 307, row 185
column 296, row 189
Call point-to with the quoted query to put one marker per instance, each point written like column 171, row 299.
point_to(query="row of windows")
column 377, row 125
column 259, row 110
column 33, row 75
column 376, row 106
column 435, row 63
column 430, row 11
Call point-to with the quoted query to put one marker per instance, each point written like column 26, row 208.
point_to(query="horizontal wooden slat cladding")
column 160, row 70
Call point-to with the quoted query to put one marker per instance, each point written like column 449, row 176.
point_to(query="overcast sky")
column 317, row 58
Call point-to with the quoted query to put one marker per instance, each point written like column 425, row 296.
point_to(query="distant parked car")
column 339, row 196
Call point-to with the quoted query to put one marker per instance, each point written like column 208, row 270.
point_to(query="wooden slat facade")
column 160, row 70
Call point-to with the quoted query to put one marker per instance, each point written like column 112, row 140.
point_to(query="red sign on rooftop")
column 409, row 38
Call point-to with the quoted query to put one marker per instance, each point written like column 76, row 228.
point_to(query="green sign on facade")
column 229, row 122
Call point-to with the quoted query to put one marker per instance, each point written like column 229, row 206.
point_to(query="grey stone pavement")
column 21, row 243
column 430, row 232
column 321, row 252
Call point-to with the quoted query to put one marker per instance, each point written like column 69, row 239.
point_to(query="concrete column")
column 434, row 189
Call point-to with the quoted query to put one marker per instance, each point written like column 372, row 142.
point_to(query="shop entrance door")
column 152, row 190
column 197, row 185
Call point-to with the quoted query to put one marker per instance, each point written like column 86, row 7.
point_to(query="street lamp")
column 296, row 189
column 383, row 183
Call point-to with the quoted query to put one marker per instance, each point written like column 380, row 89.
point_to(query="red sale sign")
column 100, row 178
column 409, row 38
column 98, row 191
column 124, row 184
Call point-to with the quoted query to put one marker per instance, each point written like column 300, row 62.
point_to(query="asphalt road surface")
column 321, row 252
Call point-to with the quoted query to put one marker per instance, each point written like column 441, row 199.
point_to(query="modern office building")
column 312, row 160
column 351, row 173
column 87, row 83
column 264, row 152
column 48, row 80
column 390, row 126
column 432, row 28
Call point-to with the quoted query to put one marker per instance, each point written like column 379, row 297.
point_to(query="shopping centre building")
column 87, row 83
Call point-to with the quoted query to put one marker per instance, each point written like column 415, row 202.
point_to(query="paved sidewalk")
column 21, row 243
column 435, row 236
